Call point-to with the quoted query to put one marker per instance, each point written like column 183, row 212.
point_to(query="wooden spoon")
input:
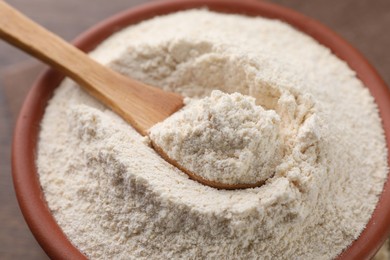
column 141, row 105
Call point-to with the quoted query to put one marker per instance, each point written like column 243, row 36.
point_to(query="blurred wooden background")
column 364, row 23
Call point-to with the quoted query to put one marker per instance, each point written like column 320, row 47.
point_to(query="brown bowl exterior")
column 28, row 190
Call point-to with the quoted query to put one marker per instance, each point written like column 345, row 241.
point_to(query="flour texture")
column 318, row 142
column 224, row 138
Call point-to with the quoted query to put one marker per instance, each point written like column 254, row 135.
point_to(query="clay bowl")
column 28, row 190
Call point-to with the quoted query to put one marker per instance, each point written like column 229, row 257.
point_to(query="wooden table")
column 365, row 23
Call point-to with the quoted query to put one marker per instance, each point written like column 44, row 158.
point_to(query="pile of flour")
column 224, row 138
column 115, row 197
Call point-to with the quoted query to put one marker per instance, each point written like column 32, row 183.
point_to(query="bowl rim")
column 25, row 177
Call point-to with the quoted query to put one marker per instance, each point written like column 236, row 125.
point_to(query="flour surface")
column 115, row 198
column 224, row 138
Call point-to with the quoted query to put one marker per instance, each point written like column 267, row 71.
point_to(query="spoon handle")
column 20, row 31
column 139, row 104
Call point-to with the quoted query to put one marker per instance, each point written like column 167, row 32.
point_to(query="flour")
column 223, row 138
column 116, row 198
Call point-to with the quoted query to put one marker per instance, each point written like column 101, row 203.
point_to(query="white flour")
column 223, row 138
column 114, row 197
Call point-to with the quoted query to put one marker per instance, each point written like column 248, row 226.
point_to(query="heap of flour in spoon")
column 265, row 103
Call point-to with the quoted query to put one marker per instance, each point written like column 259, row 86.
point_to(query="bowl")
column 28, row 190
